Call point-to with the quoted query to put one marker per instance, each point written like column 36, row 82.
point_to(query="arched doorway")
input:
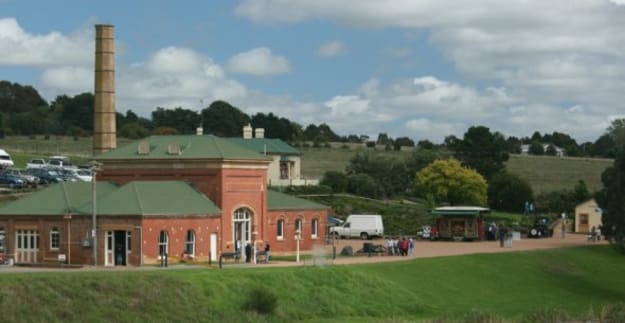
column 242, row 232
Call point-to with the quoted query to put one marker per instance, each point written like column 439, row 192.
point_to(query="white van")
column 5, row 159
column 365, row 226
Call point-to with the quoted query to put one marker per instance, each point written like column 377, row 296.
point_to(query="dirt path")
column 428, row 249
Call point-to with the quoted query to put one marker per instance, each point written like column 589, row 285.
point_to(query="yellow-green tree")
column 449, row 182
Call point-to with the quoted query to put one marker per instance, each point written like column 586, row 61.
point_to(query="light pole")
column 95, row 166
column 298, row 235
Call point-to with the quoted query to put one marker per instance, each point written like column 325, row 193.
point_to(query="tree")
column 482, row 150
column 275, row 127
column 508, row 192
column 403, row 142
column 76, row 111
column 551, row 150
column 363, row 185
column 611, row 199
column 384, row 139
column 133, row 130
column 15, row 98
column 536, row 148
column 448, row 181
column 336, row 180
column 184, row 120
column 425, row 144
column 390, row 174
column 224, row 120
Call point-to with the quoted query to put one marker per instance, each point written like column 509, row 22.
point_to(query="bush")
column 613, row 313
column 261, row 300
column 547, row 315
column 308, row 189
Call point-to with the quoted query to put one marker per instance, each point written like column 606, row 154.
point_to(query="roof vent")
column 173, row 149
column 144, row 148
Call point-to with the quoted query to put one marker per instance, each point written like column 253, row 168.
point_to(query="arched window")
column 299, row 228
column 314, row 226
column 3, row 237
column 242, row 233
column 280, row 229
column 190, row 247
column 163, row 244
column 55, row 238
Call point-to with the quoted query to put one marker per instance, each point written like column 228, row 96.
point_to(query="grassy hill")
column 544, row 173
column 540, row 286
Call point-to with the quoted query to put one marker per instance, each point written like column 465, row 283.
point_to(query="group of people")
column 400, row 247
column 595, row 233
column 248, row 252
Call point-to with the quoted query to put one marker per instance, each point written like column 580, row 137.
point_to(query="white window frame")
column 163, row 244
column 189, row 247
column 314, row 228
column 280, row 229
column 3, row 240
column 55, row 238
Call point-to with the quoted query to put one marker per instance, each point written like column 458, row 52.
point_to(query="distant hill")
column 544, row 173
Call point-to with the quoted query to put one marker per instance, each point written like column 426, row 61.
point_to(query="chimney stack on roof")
column 247, row 132
column 259, row 133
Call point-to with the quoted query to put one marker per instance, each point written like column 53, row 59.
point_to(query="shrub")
column 546, row 315
column 261, row 300
column 613, row 313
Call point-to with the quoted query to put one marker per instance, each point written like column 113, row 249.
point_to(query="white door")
column 213, row 246
column 27, row 245
column 109, row 246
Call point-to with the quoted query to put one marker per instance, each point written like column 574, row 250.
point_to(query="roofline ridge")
column 134, row 188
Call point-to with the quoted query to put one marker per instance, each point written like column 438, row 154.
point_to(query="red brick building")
column 187, row 197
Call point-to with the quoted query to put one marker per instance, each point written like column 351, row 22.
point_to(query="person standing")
column 501, row 231
column 248, row 252
column 267, row 253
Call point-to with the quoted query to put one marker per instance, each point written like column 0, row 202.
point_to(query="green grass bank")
column 576, row 283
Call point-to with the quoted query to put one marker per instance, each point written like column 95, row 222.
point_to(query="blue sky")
column 423, row 69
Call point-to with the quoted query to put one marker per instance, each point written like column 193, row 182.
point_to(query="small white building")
column 587, row 215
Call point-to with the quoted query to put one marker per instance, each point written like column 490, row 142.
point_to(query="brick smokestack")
column 104, row 132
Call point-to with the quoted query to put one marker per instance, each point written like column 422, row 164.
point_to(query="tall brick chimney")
column 104, row 132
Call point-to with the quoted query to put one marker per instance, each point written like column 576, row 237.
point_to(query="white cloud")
column 333, row 48
column 259, row 61
column 68, row 80
column 18, row 47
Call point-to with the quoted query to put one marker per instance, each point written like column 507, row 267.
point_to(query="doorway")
column 242, row 234
column 118, row 247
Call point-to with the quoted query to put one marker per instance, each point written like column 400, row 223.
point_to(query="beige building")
column 285, row 167
column 587, row 215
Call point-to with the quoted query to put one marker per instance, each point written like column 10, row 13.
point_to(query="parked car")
column 60, row 162
column 29, row 180
column 46, row 176
column 5, row 159
column 12, row 181
column 36, row 163
column 364, row 226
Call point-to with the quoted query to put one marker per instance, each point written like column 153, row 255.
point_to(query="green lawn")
column 547, row 173
column 574, row 283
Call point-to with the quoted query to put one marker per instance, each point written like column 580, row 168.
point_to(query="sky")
column 423, row 69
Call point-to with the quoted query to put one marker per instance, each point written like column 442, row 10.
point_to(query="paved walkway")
column 424, row 249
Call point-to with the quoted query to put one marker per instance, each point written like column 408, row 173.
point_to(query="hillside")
column 544, row 173
column 552, row 285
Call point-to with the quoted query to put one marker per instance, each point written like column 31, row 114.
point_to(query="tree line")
column 24, row 112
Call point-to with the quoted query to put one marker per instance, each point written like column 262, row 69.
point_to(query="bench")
column 236, row 256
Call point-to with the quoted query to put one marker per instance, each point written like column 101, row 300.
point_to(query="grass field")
column 577, row 283
column 544, row 173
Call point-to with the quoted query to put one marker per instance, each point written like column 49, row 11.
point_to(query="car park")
column 46, row 176
column 11, row 181
column 36, row 163
column 29, row 180
column 60, row 162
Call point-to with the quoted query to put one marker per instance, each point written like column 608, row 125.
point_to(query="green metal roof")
column 155, row 198
column 266, row 145
column 190, row 146
column 459, row 211
column 58, row 199
column 281, row 201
